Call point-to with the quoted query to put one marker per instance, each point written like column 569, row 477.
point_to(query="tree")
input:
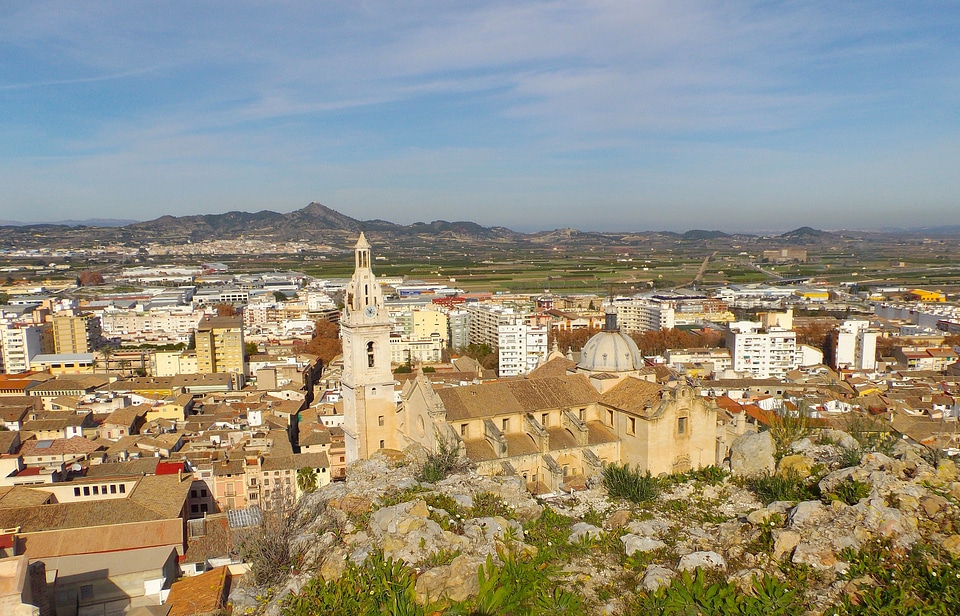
column 225, row 310
column 89, row 278
column 325, row 343
column 279, row 296
column 250, row 348
column 307, row 479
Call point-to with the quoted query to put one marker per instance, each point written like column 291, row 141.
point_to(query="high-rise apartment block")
column 486, row 320
column 521, row 348
column 644, row 315
column 220, row 345
column 20, row 343
column 855, row 346
column 764, row 354
column 75, row 333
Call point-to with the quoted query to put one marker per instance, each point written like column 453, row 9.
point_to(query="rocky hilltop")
column 829, row 528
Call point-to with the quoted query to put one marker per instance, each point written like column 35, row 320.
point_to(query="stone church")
column 555, row 427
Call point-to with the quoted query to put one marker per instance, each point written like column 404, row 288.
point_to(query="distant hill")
column 805, row 235
column 87, row 222
column 700, row 234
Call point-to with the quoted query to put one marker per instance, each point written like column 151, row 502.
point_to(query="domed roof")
column 610, row 351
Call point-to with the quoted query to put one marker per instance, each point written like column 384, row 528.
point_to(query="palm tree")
column 307, row 479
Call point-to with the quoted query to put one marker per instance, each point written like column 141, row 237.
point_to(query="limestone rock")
column 816, row 554
column 785, row 542
column 635, row 543
column 455, row 581
column 618, row 519
column 808, row 513
column 947, row 470
column 654, row 577
column 797, row 464
column 704, row 560
column 952, row 545
column 753, row 454
column 582, row 529
column 932, row 504
column 839, row 437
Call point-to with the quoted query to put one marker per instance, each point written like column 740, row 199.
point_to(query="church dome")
column 610, row 351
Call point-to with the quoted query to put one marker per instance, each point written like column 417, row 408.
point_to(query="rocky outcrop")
column 448, row 530
column 753, row 454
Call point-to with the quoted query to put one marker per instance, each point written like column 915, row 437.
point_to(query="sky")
column 599, row 115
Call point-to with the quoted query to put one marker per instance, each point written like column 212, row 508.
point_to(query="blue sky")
column 640, row 115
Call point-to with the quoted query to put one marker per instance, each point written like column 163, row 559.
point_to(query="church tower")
column 369, row 408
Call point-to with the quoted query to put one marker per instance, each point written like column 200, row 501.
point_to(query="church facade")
column 556, row 427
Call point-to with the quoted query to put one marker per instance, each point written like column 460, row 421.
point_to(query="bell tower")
column 369, row 408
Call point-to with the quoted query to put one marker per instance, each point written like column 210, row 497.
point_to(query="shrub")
column 266, row 546
column 787, row 487
column 785, row 429
column 629, row 484
column 849, row 491
column 442, row 462
column 695, row 594
column 378, row 586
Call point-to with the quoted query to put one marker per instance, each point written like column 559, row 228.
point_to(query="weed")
column 442, row 462
column 439, row 558
column 395, row 497
column 629, row 484
column 787, row 487
column 849, row 491
column 488, row 504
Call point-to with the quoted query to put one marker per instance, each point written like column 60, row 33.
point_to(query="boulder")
column 797, row 464
column 952, row 545
column 753, row 454
column 839, row 437
column 704, row 560
column 947, row 470
column 817, row 554
column 808, row 513
column 785, row 542
column 654, row 577
column 581, row 529
column 618, row 519
column 455, row 581
column 635, row 543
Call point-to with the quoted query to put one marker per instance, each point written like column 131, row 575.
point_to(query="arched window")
column 370, row 354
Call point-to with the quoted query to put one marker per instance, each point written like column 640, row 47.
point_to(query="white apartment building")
column 486, row 320
column 20, row 344
column 767, row 354
column 644, row 315
column 521, row 348
column 428, row 350
column 458, row 328
column 687, row 358
column 856, row 346
column 167, row 325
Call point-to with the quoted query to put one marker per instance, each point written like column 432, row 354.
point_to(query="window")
column 464, row 429
column 632, row 429
column 123, row 488
column 203, row 508
column 545, row 419
column 381, row 447
column 76, row 491
column 194, row 509
column 203, row 493
column 193, row 493
column 113, row 488
column 266, row 481
column 610, row 417
column 504, row 424
column 96, row 489
column 682, row 425
column 370, row 354
column 380, row 420
column 583, row 414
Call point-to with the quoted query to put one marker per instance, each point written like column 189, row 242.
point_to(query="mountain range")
column 318, row 223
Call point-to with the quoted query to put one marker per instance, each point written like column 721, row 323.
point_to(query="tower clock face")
column 370, row 311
